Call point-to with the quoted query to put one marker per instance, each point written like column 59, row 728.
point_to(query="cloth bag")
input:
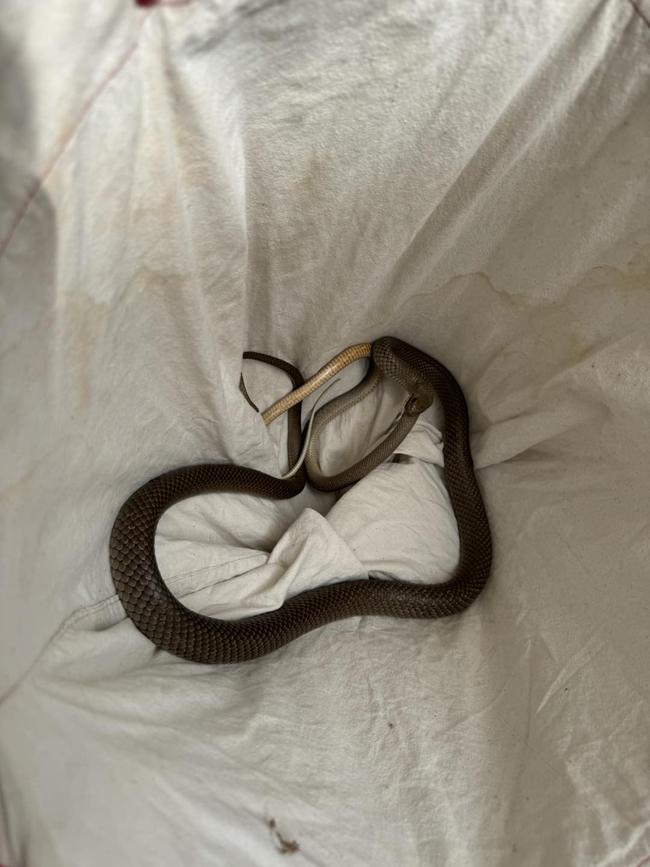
column 189, row 180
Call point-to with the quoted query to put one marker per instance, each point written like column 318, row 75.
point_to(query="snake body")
column 352, row 353
column 380, row 453
column 193, row 636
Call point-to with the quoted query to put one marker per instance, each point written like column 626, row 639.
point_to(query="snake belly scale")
column 171, row 626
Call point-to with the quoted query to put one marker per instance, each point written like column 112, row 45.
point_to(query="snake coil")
column 172, row 627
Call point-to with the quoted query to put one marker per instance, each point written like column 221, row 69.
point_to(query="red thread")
column 639, row 11
column 65, row 141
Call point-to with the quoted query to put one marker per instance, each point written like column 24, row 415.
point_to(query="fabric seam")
column 69, row 137
column 636, row 6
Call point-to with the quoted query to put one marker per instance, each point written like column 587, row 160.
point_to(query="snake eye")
column 421, row 397
column 412, row 406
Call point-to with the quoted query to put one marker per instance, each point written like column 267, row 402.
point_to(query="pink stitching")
column 163, row 3
column 639, row 11
column 67, row 138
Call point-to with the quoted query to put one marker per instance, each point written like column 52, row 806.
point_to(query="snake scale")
column 193, row 636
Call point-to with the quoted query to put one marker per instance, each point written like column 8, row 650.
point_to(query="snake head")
column 421, row 397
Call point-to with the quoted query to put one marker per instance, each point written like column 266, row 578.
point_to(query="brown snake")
column 193, row 636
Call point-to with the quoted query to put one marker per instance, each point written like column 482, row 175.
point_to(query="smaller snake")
column 321, row 417
column 193, row 636
column 334, row 366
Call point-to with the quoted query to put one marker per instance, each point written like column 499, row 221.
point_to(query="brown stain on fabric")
column 282, row 844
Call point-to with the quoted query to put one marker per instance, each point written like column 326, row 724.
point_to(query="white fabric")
column 182, row 183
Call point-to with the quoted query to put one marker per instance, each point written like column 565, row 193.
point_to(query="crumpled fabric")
column 189, row 180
